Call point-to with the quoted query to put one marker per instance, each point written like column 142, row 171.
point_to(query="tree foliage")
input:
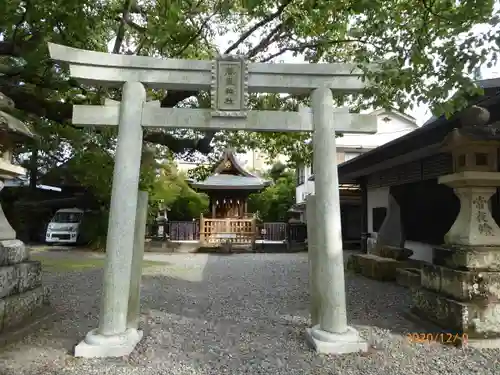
column 273, row 202
column 427, row 49
column 171, row 190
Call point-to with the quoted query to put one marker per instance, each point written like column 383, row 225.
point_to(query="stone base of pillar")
column 333, row 343
column 96, row 345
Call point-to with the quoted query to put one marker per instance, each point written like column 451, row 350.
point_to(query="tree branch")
column 120, row 34
column 62, row 112
column 196, row 35
column 179, row 145
column 31, row 103
column 429, row 9
column 265, row 42
column 128, row 21
column 302, row 47
column 172, row 98
column 258, row 25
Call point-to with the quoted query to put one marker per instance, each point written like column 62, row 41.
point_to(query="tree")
column 427, row 48
column 273, row 202
column 172, row 191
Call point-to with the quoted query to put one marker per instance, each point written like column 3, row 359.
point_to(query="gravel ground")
column 239, row 314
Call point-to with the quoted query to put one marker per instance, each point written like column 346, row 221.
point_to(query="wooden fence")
column 215, row 232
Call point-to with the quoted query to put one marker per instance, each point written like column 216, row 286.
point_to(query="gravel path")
column 239, row 314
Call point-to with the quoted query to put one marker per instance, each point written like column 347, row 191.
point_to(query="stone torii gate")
column 230, row 79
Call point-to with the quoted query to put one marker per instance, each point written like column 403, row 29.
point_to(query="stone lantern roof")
column 12, row 131
column 17, row 129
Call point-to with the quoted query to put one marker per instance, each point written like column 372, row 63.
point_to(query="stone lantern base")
column 22, row 296
column 460, row 292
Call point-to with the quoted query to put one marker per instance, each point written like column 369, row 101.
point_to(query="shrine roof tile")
column 226, row 181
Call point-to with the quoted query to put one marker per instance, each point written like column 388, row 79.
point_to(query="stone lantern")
column 12, row 132
column 22, row 296
column 460, row 291
column 474, row 179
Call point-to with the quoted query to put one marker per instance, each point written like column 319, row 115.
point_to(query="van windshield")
column 67, row 217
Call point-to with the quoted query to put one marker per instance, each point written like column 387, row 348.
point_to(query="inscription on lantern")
column 229, row 87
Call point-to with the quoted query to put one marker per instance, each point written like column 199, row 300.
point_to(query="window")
column 301, row 175
column 67, row 217
column 351, row 155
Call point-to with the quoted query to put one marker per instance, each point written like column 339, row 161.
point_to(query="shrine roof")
column 229, row 174
column 229, row 164
column 227, row 181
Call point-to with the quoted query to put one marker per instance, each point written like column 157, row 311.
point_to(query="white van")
column 64, row 226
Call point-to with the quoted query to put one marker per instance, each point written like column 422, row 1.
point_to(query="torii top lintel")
column 176, row 74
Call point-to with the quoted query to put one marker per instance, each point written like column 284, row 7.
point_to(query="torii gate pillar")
column 331, row 335
column 114, row 338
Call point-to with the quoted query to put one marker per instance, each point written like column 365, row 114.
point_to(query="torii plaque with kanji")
column 229, row 89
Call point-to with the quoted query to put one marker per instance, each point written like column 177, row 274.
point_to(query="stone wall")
column 21, row 291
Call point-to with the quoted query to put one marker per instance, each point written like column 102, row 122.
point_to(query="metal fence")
column 176, row 230
column 273, row 232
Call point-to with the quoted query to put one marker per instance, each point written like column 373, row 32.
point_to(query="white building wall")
column 303, row 190
column 390, row 125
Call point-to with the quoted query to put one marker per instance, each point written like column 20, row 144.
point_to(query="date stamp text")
column 441, row 338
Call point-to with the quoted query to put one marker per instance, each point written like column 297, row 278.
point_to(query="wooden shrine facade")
column 228, row 188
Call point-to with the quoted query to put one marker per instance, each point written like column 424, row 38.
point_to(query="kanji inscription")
column 229, row 87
